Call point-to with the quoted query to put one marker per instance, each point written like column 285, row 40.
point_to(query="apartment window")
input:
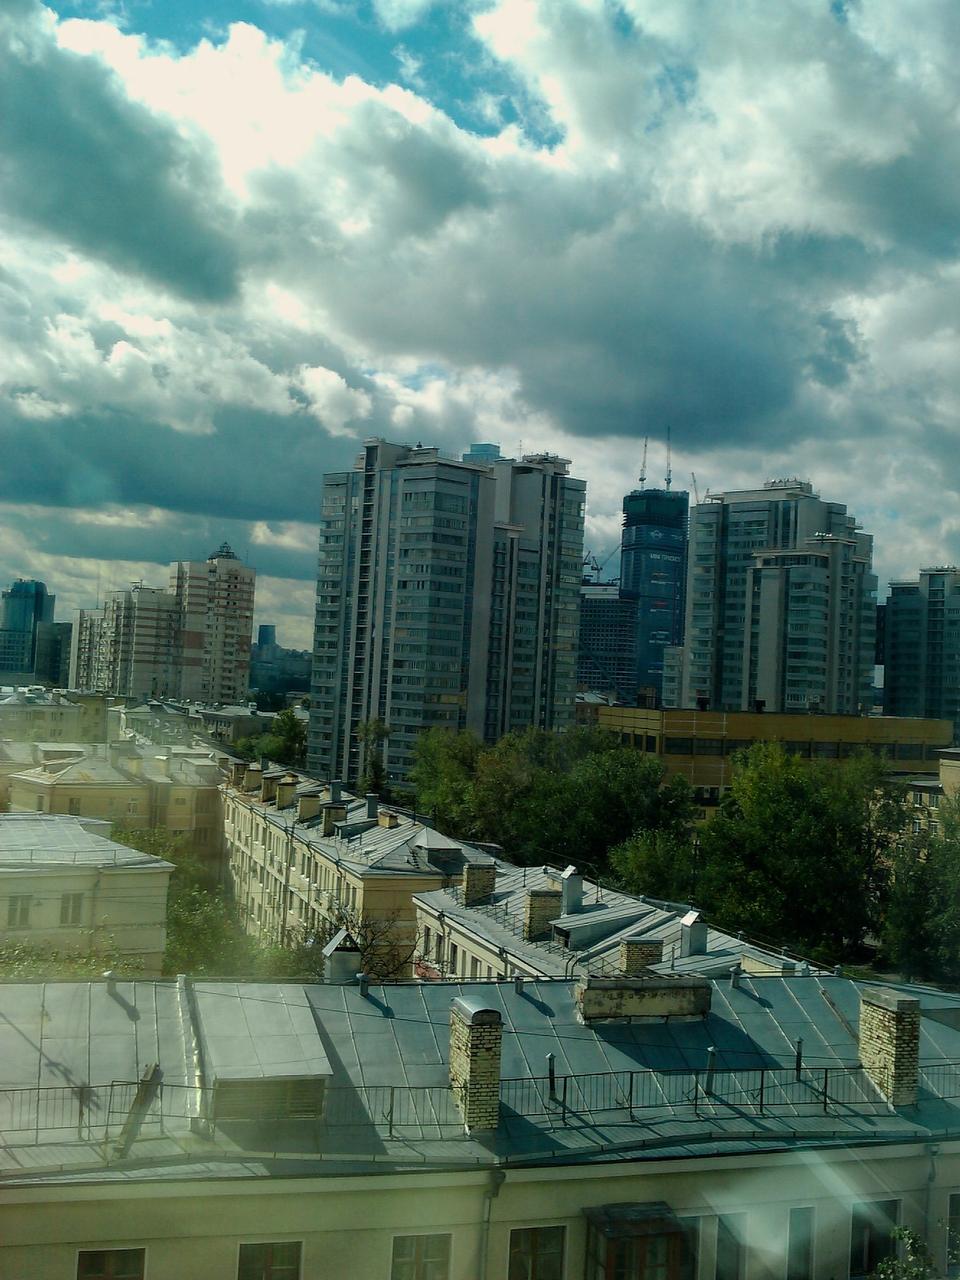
column 73, row 806
column 71, row 906
column 274, row 1261
column 453, row 957
column 133, row 806
column 18, row 911
column 420, row 1258
column 730, row 1251
column 111, row 1264
column 953, row 1236
column 800, row 1245
column 39, row 804
column 536, row 1253
column 640, row 1242
column 871, row 1235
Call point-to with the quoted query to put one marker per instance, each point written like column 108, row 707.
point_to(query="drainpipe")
column 286, row 887
column 933, row 1151
column 496, row 1179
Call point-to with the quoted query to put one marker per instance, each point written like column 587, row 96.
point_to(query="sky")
column 240, row 237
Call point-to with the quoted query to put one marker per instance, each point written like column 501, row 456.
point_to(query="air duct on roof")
column 693, row 935
column 571, row 889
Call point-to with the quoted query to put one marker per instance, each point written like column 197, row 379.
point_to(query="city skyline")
column 442, row 223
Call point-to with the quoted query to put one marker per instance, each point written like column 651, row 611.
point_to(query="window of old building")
column 276, row 1260
column 421, row 1258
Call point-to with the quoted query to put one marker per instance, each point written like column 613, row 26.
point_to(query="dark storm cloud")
column 81, row 162
column 252, row 467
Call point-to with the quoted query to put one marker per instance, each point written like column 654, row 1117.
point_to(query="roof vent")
column 571, row 890
column 693, row 935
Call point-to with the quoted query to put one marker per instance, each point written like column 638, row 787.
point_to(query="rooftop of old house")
column 587, row 936
column 196, row 1079
column 48, row 841
column 368, row 839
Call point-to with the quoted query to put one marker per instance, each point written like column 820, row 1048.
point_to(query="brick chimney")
column 890, row 1043
column 286, row 790
column 251, row 777
column 333, row 813
column 237, row 770
column 268, row 788
column 478, row 883
column 476, row 1034
column 541, row 907
column 308, row 806
column 637, row 955
column 386, row 818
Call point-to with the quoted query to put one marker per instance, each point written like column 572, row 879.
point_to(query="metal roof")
column 623, row 1090
column 606, row 919
column 38, row 840
column 254, row 1032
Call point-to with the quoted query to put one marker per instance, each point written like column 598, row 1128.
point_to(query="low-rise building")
column 701, row 746
column 67, row 887
column 651, row 1127
column 303, row 855
column 541, row 922
column 174, row 788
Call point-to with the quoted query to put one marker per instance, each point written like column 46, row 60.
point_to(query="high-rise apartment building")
column 447, row 595
column 191, row 641
column 23, row 608
column 780, row 608
column 921, row 648
column 215, row 601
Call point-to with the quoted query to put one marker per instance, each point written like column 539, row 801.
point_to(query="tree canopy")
column 545, row 797
column 285, row 742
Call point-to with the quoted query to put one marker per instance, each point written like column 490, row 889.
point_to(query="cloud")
column 82, row 163
column 224, row 266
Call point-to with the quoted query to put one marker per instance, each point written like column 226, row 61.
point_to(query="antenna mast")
column 669, row 467
column 643, row 464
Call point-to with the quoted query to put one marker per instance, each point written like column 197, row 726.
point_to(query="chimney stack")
column 308, row 806
column 571, row 891
column 268, row 788
column 335, row 786
column 541, row 907
column 479, row 882
column 890, row 1043
column 238, row 769
column 693, row 935
column 638, row 954
column 653, row 995
column 333, row 812
column 373, row 804
column 286, row 790
column 476, row 1036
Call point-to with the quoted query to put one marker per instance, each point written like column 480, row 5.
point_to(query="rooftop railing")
column 98, row 1113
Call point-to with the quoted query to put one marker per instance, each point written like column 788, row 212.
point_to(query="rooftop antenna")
column 643, row 464
column 669, row 468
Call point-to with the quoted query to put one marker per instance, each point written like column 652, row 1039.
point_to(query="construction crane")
column 669, row 468
column 643, row 464
column 696, row 491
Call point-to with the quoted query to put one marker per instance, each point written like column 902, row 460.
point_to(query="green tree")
column 912, row 1262
column 285, row 743
column 798, row 850
column 442, row 777
column 373, row 777
column 660, row 863
column 921, row 929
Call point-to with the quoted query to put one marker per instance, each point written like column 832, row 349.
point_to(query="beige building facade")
column 65, row 886
column 300, row 854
